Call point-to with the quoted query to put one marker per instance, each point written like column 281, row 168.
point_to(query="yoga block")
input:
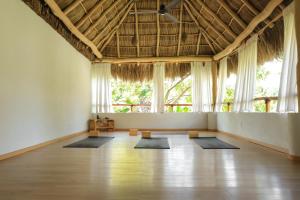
column 133, row 132
column 146, row 134
column 193, row 134
column 94, row 133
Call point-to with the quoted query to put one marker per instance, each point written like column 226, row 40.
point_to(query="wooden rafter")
column 250, row 28
column 89, row 14
column 217, row 18
column 198, row 43
column 113, row 31
column 180, row 28
column 152, row 46
column 62, row 16
column 158, row 29
column 103, row 14
column 207, row 22
column 118, row 44
column 173, row 59
column 255, row 11
column 137, row 31
column 232, row 13
column 72, row 6
column 200, row 27
column 108, row 40
column 112, row 21
column 209, row 43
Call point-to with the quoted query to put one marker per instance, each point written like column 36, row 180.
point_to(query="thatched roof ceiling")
column 112, row 29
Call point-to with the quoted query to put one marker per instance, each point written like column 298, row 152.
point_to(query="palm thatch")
column 206, row 28
column 133, row 72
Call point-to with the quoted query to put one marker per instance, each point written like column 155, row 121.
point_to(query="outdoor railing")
column 132, row 106
column 267, row 102
column 228, row 105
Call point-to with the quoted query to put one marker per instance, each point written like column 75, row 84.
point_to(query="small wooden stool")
column 193, row 134
column 146, row 134
column 133, row 132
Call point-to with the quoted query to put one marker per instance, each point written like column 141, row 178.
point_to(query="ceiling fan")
column 163, row 11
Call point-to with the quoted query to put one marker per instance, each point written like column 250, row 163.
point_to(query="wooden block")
column 146, row 134
column 133, row 132
column 94, row 133
column 193, row 134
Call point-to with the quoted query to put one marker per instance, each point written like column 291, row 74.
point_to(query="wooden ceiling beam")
column 199, row 26
column 255, row 11
column 151, row 46
column 217, row 18
column 180, row 28
column 89, row 14
column 158, row 29
column 103, row 14
column 111, row 22
column 250, row 28
column 232, row 13
column 72, row 6
column 209, row 43
column 193, row 9
column 198, row 43
column 118, row 44
column 113, row 31
column 62, row 16
column 137, row 31
column 175, row 59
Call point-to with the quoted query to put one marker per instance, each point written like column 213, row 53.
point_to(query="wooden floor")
column 117, row 171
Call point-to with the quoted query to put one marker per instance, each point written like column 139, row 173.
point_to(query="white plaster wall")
column 212, row 121
column 44, row 81
column 294, row 133
column 270, row 128
column 159, row 120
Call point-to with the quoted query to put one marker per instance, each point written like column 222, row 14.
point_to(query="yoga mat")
column 153, row 143
column 90, row 142
column 213, row 143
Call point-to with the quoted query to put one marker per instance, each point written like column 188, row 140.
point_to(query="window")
column 267, row 85
column 178, row 94
column 131, row 97
column 229, row 92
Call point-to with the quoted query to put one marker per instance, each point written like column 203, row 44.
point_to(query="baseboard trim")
column 163, row 129
column 293, row 157
column 269, row 146
column 37, row 146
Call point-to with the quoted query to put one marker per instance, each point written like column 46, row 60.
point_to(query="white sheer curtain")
column 221, row 84
column 158, row 101
column 287, row 101
column 201, row 87
column 101, row 88
column 246, row 76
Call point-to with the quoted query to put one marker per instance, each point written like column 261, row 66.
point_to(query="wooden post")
column 267, row 103
column 131, row 108
column 297, row 22
column 172, row 108
column 214, row 71
column 228, row 107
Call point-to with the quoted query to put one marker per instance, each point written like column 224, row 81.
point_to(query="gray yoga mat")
column 213, row 143
column 153, row 143
column 90, row 142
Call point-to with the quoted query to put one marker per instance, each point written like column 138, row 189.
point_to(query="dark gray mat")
column 90, row 142
column 213, row 143
column 153, row 143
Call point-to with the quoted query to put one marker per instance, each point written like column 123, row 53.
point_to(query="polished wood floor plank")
column 117, row 171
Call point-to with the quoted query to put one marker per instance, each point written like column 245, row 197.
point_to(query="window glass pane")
column 267, row 84
column 178, row 94
column 131, row 93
